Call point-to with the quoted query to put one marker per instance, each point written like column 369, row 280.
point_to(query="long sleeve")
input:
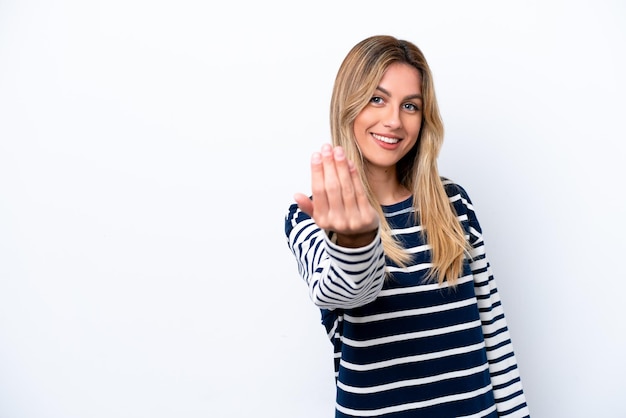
column 337, row 277
column 505, row 377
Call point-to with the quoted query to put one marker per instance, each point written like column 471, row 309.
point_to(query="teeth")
column 386, row 139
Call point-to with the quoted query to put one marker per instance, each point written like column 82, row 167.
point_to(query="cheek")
column 360, row 123
column 360, row 126
column 359, row 133
column 414, row 127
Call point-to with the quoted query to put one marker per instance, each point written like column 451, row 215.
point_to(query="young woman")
column 393, row 254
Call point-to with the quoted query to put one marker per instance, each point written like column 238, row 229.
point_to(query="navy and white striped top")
column 405, row 347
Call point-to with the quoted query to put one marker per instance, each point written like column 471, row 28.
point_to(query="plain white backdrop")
column 149, row 151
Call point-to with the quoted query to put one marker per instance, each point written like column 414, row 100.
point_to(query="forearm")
column 338, row 276
column 505, row 377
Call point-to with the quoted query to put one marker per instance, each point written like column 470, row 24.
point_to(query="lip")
column 386, row 141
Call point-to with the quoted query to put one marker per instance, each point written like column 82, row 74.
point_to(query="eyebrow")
column 412, row 96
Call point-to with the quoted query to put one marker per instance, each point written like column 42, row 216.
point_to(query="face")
column 388, row 127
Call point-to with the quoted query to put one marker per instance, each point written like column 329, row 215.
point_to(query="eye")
column 376, row 100
column 411, row 107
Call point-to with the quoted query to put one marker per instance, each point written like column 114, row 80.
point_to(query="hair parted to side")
column 355, row 84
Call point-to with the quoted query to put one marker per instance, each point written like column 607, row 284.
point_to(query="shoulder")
column 463, row 206
column 455, row 191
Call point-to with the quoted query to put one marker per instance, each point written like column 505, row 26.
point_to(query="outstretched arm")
column 334, row 236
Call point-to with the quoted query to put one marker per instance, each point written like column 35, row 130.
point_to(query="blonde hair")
column 355, row 83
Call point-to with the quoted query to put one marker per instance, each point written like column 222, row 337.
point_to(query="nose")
column 392, row 119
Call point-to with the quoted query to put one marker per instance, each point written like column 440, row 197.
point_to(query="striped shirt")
column 403, row 346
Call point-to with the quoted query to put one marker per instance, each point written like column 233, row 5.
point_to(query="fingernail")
column 327, row 149
column 316, row 158
column 339, row 153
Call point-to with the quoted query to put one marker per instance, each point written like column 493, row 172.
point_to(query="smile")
column 386, row 139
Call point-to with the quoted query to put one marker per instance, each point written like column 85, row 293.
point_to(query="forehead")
column 401, row 78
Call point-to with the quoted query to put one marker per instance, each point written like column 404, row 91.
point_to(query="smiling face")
column 388, row 126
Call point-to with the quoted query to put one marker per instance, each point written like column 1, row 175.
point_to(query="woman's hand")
column 339, row 201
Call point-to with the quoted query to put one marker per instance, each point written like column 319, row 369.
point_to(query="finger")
column 332, row 184
column 345, row 179
column 304, row 203
column 362, row 201
column 318, row 188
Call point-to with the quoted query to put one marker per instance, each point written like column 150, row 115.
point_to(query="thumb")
column 304, row 203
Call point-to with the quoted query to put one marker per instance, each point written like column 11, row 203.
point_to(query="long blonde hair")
column 356, row 81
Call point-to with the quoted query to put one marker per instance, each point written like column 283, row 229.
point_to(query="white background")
column 149, row 151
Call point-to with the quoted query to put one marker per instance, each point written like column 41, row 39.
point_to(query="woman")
column 393, row 254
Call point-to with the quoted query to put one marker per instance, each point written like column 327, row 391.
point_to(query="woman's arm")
column 505, row 377
column 337, row 276
column 335, row 235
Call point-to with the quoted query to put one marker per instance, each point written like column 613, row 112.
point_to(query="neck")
column 385, row 186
